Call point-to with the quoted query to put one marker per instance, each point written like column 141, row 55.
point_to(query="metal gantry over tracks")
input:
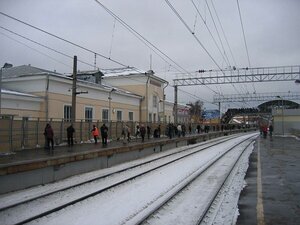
column 232, row 76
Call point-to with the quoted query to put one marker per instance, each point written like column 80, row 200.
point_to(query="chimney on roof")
column 7, row 65
column 98, row 77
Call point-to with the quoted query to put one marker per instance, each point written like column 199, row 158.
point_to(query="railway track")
column 51, row 202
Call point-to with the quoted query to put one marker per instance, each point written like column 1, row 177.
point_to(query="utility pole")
column 73, row 113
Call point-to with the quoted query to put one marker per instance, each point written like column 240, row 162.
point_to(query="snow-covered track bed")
column 210, row 196
column 66, row 197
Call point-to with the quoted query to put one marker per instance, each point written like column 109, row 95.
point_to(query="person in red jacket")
column 265, row 131
column 95, row 133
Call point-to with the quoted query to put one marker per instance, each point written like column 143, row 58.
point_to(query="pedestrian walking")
column 95, row 133
column 49, row 134
column 104, row 134
column 143, row 132
column 70, row 132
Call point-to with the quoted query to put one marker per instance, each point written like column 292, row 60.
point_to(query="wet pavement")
column 272, row 194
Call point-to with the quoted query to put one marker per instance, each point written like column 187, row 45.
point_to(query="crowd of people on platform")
column 140, row 132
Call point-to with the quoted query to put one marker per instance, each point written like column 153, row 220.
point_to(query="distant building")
column 142, row 83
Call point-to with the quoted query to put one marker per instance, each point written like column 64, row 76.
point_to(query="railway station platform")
column 272, row 192
column 38, row 167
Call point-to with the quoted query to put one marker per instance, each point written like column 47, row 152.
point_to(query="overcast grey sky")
column 272, row 32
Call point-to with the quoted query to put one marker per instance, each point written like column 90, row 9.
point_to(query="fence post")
column 11, row 133
column 23, row 133
column 37, row 132
column 80, row 131
column 61, row 130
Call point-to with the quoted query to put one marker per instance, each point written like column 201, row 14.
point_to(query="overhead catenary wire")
column 74, row 44
column 211, row 15
column 33, row 49
column 225, row 57
column 225, row 37
column 221, row 42
column 197, row 39
column 214, row 40
column 63, row 39
column 146, row 42
column 44, row 46
column 244, row 37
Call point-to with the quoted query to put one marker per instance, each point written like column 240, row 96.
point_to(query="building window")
column 67, row 113
column 154, row 117
column 130, row 116
column 119, row 115
column 155, row 101
column 105, row 115
column 88, row 114
column 150, row 117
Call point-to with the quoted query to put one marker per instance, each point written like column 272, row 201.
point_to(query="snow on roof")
column 121, row 71
column 18, row 71
column 10, row 92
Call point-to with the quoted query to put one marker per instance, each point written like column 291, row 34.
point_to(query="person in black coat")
column 104, row 134
column 49, row 134
column 70, row 132
column 143, row 132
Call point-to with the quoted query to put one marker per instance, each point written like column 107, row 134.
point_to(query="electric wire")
column 221, row 42
column 225, row 37
column 33, row 49
column 211, row 15
column 63, row 39
column 244, row 37
column 189, row 29
column 145, row 41
column 42, row 45
column 86, row 49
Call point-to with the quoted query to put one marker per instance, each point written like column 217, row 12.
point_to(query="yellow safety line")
column 259, row 206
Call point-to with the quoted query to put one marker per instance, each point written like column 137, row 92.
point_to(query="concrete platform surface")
column 272, row 194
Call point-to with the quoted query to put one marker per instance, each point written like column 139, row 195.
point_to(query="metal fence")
column 18, row 133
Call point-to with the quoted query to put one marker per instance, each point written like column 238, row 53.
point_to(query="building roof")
column 18, row 93
column 130, row 71
column 30, row 71
column 18, row 71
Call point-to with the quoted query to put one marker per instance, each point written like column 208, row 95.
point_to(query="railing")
column 18, row 133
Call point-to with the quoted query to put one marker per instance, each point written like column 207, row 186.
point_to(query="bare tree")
column 195, row 111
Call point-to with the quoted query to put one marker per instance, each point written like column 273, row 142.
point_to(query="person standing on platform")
column 179, row 130
column 265, row 131
column 95, row 133
column 104, row 134
column 70, row 132
column 143, row 132
column 158, row 131
column 271, row 128
column 49, row 134
column 148, row 131
column 137, row 133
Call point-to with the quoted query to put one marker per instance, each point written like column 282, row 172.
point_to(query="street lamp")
column 282, row 121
